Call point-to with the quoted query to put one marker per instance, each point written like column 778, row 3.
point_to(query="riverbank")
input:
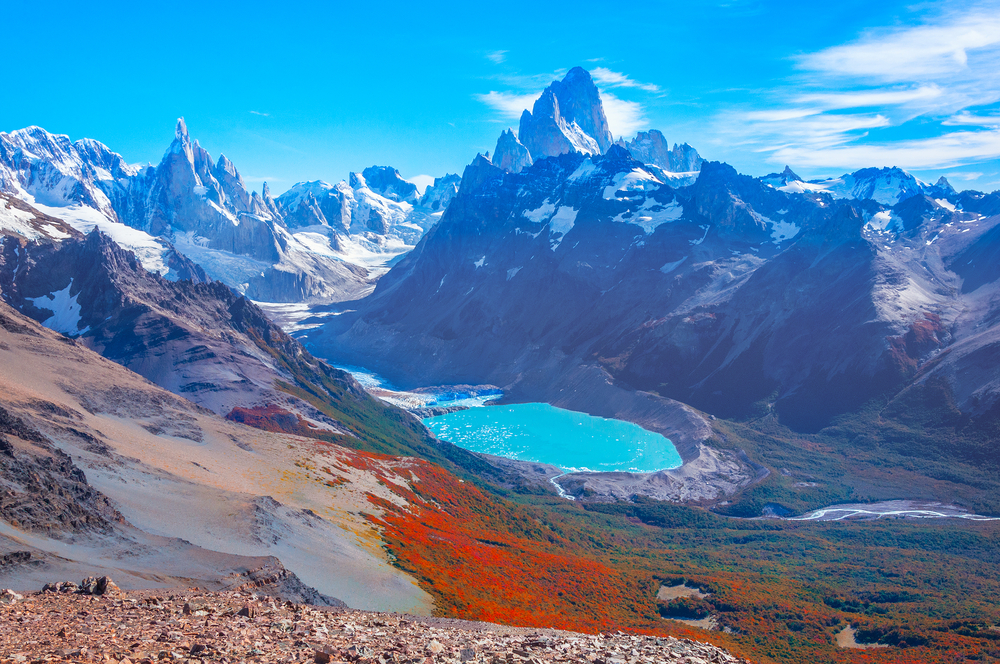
column 890, row 509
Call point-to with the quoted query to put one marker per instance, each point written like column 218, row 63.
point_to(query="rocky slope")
column 106, row 473
column 197, row 339
column 240, row 625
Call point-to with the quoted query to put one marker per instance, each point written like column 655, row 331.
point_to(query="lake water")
column 564, row 438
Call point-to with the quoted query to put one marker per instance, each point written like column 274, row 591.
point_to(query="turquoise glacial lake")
column 564, row 438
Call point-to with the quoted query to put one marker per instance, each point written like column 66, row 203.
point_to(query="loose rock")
column 141, row 627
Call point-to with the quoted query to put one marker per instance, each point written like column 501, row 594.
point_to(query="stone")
column 8, row 596
column 89, row 586
column 105, row 586
column 139, row 627
column 247, row 612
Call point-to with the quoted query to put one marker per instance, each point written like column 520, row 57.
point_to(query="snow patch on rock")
column 652, row 214
column 635, row 181
column 670, row 267
column 65, row 310
column 561, row 223
column 150, row 251
column 540, row 214
column 781, row 230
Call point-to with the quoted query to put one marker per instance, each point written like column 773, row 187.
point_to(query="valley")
column 543, row 393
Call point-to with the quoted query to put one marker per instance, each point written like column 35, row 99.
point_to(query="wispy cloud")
column 613, row 79
column 947, row 151
column 508, row 104
column 966, row 118
column 838, row 110
column 266, row 115
column 624, row 117
column 496, row 57
column 866, row 98
column 904, row 54
column 965, row 175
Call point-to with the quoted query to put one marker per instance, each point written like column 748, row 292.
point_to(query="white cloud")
column 947, row 151
column 614, row 79
column 781, row 114
column 908, row 53
column 422, row 182
column 966, row 118
column 266, row 115
column 624, row 117
column 866, row 98
column 496, row 57
column 810, row 128
column 925, row 76
column 509, row 104
column 964, row 175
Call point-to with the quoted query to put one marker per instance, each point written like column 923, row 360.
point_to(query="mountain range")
column 800, row 342
column 590, row 281
column 317, row 242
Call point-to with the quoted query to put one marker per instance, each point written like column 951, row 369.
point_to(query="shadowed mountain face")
column 198, row 340
column 727, row 294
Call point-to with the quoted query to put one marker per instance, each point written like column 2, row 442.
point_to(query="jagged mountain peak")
column 386, row 181
column 510, row 154
column 567, row 117
column 438, row 195
column 789, row 173
column 943, row 183
column 224, row 164
column 581, row 103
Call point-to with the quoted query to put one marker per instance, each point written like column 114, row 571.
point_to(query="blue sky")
column 297, row 92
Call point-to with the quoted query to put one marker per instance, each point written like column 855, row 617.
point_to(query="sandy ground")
column 667, row 593
column 845, row 639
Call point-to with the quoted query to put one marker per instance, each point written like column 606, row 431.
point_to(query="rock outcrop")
column 510, row 153
column 651, row 147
